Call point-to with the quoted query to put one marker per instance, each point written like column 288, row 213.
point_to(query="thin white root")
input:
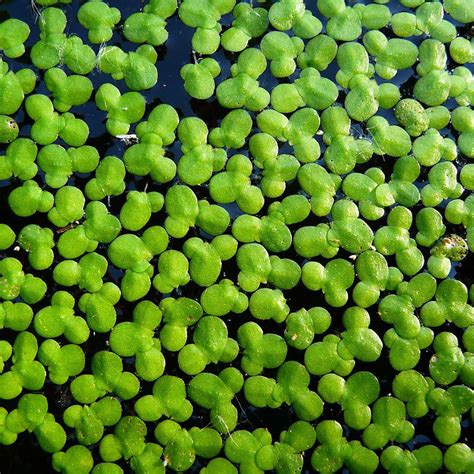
column 36, row 10
column 244, row 412
column 229, row 434
column 100, row 53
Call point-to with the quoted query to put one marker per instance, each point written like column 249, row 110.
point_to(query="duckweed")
column 255, row 260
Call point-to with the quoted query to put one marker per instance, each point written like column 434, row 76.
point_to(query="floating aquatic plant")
column 293, row 238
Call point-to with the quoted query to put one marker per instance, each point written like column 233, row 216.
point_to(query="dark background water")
column 25, row 456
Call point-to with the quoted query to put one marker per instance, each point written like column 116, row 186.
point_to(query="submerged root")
column 227, row 432
column 35, row 9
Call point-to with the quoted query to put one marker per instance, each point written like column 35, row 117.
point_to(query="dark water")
column 25, row 456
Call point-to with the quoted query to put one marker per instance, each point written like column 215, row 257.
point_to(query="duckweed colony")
column 236, row 237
